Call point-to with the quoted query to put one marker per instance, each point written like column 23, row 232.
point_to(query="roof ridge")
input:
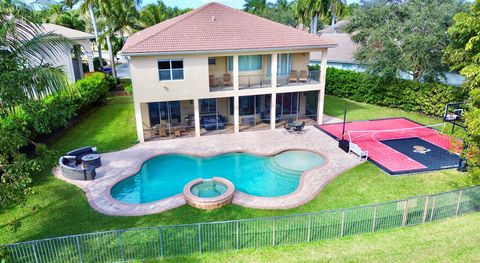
column 180, row 18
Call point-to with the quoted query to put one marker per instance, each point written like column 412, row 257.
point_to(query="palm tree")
column 24, row 48
column 255, row 6
column 118, row 16
column 337, row 8
column 311, row 10
column 153, row 14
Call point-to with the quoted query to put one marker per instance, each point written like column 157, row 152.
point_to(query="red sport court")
column 399, row 145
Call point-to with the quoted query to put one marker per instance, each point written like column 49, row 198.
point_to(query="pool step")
column 276, row 168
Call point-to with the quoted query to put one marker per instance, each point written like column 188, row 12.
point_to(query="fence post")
column 458, row 202
column 121, row 246
column 236, row 235
column 374, row 218
column 343, row 223
column 273, row 232
column 309, row 227
column 425, row 210
column 405, row 214
column 199, row 239
column 34, row 247
column 160, row 239
column 79, row 250
column 433, row 207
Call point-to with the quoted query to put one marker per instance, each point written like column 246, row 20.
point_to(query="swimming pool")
column 166, row 175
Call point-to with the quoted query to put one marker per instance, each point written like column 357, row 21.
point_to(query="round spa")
column 209, row 194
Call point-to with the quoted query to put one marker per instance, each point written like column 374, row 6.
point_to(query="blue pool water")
column 166, row 175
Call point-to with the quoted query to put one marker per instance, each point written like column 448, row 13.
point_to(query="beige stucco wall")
column 300, row 61
column 219, row 68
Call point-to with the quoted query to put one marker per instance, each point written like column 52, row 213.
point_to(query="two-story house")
column 220, row 70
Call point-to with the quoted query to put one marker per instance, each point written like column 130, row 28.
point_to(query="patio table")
column 91, row 160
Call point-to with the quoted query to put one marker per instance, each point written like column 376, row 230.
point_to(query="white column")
column 79, row 62
column 138, row 119
column 321, row 93
column 273, row 108
column 236, row 83
column 88, row 52
column 236, row 114
column 91, row 68
column 274, row 61
column 196, row 110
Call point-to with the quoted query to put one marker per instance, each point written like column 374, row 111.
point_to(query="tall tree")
column 311, row 10
column 281, row 11
column 255, row 6
column 24, row 78
column 58, row 14
column 118, row 17
column 463, row 54
column 403, row 37
column 155, row 13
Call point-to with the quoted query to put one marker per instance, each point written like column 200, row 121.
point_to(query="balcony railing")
column 254, row 81
column 298, row 77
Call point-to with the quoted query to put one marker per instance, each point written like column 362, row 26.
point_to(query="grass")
column 111, row 128
column 451, row 240
column 58, row 208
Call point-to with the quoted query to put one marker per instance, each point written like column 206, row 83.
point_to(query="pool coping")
column 103, row 202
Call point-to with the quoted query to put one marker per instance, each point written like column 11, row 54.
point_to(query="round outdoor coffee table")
column 91, row 160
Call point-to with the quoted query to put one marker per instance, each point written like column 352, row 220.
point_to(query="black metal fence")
column 166, row 241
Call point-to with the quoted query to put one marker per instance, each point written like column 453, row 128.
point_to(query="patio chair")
column 303, row 76
column 213, row 82
column 293, row 76
column 227, row 80
column 178, row 132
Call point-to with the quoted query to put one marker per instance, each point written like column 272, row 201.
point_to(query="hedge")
column 40, row 117
column 426, row 98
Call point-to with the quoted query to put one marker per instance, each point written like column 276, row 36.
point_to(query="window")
column 285, row 63
column 246, row 63
column 208, row 106
column 212, row 61
column 170, row 69
column 287, row 103
column 247, row 105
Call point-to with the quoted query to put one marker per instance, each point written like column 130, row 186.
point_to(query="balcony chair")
column 303, row 76
column 293, row 76
column 227, row 80
column 213, row 82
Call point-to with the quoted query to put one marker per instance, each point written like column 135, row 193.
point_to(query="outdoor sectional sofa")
column 70, row 164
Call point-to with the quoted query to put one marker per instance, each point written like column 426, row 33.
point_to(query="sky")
column 197, row 3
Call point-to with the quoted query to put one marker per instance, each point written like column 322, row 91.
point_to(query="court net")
column 433, row 133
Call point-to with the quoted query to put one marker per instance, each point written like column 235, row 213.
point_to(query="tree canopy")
column 403, row 36
column 463, row 54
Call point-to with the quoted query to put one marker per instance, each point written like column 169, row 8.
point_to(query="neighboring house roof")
column 215, row 27
column 345, row 51
column 339, row 26
column 67, row 32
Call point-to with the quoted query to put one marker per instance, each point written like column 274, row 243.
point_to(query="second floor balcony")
column 255, row 71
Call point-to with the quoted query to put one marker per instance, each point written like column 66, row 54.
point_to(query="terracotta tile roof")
column 215, row 27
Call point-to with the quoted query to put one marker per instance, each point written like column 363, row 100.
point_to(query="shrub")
column 20, row 162
column 127, row 86
column 92, row 88
column 427, row 98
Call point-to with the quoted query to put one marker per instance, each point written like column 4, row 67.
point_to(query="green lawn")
column 111, row 128
column 451, row 240
column 58, row 208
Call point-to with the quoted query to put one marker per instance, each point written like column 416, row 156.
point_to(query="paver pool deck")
column 117, row 166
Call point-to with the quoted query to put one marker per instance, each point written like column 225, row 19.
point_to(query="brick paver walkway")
column 119, row 165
